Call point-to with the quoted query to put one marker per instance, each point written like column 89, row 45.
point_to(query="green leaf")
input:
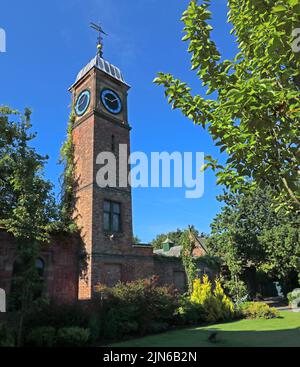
column 278, row 9
column 293, row 2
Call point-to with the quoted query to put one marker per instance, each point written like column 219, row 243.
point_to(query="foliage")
column 134, row 307
column 27, row 205
column 250, row 232
column 255, row 115
column 72, row 337
column 187, row 241
column 225, row 305
column 7, row 338
column 217, row 306
column 282, row 248
column 136, row 240
column 41, row 337
column 258, row 310
column 68, row 179
column 51, row 314
column 294, row 298
column 175, row 237
column 236, row 288
column 189, row 313
column 210, row 261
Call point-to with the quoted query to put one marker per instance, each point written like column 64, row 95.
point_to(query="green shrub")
column 41, row 337
column 258, row 310
column 134, row 308
column 72, row 337
column 294, row 298
column 57, row 316
column 189, row 313
column 6, row 336
column 94, row 327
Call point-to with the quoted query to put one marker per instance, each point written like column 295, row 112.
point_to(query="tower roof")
column 104, row 66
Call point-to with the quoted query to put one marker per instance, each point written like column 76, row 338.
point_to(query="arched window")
column 40, row 267
column 17, row 281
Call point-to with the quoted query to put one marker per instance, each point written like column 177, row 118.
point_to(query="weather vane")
column 100, row 31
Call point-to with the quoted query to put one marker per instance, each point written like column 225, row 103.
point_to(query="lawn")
column 281, row 332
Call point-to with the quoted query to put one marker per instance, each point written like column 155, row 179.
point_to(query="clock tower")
column 103, row 214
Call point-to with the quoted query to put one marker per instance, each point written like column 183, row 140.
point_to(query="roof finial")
column 99, row 29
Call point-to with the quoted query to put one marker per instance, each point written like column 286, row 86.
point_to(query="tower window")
column 112, row 216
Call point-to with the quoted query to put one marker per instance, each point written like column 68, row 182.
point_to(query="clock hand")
column 111, row 100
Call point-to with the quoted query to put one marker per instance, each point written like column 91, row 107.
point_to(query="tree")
column 27, row 205
column 249, row 232
column 136, row 240
column 175, row 236
column 255, row 116
column 282, row 247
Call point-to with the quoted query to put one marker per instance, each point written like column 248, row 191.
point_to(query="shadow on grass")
column 272, row 338
column 280, row 332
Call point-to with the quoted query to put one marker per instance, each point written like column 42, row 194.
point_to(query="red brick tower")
column 103, row 214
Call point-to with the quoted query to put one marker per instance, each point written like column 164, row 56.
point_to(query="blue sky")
column 49, row 42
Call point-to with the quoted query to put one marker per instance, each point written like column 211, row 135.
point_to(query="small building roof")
column 169, row 241
column 174, row 251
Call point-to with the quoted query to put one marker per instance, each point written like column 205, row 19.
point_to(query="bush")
column 57, row 316
column 41, row 337
column 135, row 307
column 189, row 313
column 294, row 298
column 94, row 327
column 72, row 337
column 258, row 310
column 6, row 336
column 216, row 305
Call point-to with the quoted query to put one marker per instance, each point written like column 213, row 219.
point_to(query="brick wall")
column 168, row 269
column 61, row 266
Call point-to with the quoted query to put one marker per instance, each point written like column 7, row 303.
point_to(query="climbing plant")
column 68, row 180
column 187, row 240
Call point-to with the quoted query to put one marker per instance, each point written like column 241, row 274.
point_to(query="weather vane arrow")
column 100, row 31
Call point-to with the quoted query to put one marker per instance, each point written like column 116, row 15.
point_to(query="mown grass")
column 280, row 332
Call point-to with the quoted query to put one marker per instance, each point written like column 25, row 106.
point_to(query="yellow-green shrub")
column 216, row 304
column 258, row 310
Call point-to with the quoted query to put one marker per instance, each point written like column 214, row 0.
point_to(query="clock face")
column 111, row 101
column 82, row 103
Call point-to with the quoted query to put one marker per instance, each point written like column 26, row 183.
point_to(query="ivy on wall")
column 68, row 180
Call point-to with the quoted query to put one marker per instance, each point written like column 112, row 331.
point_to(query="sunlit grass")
column 281, row 332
